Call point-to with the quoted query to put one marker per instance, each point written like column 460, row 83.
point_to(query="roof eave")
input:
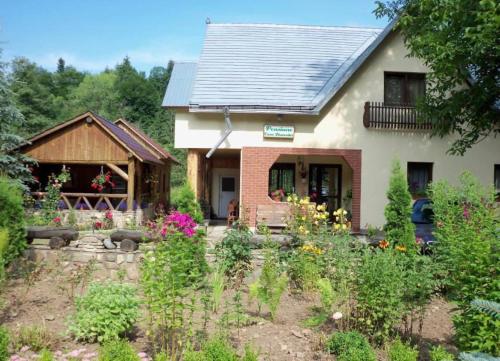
column 254, row 109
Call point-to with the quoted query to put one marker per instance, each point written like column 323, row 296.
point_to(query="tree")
column 13, row 164
column 399, row 230
column 458, row 41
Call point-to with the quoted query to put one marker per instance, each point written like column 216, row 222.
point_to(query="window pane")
column 497, row 177
column 416, row 89
column 419, row 176
column 393, row 89
column 282, row 176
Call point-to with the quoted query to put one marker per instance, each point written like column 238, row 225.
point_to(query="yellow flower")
column 401, row 248
column 336, row 226
column 344, row 226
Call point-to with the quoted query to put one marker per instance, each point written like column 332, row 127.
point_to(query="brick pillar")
column 255, row 164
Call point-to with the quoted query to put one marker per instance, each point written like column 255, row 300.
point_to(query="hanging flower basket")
column 101, row 181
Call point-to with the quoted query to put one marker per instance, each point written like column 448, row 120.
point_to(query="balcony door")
column 325, row 185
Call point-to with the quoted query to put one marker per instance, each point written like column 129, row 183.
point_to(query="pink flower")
column 466, row 213
column 109, row 215
column 179, row 222
column 57, row 220
column 98, row 224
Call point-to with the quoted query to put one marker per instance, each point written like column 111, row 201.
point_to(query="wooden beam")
column 131, row 184
column 193, row 170
column 117, row 170
column 139, row 184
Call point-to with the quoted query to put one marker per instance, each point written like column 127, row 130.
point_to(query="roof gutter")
column 227, row 131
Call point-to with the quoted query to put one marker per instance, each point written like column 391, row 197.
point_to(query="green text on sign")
column 279, row 131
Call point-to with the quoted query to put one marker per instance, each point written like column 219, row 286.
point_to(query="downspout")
column 227, row 131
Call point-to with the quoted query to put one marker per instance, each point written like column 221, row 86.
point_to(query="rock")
column 108, row 244
column 284, row 347
column 307, row 332
column 123, row 234
column 299, row 355
column 57, row 243
column 50, row 317
column 127, row 245
column 297, row 334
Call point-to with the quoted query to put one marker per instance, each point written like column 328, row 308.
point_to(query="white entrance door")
column 227, row 192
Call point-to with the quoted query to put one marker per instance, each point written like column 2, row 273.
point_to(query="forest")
column 45, row 98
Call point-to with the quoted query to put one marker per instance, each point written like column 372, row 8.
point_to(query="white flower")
column 337, row 315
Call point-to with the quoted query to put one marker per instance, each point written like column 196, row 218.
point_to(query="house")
column 319, row 111
column 89, row 145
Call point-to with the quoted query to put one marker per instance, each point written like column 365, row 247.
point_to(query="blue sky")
column 93, row 34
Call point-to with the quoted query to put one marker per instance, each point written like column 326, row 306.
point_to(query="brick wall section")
column 255, row 164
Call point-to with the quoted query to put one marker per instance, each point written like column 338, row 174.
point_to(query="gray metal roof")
column 180, row 85
column 273, row 68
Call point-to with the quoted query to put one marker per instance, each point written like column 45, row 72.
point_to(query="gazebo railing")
column 82, row 200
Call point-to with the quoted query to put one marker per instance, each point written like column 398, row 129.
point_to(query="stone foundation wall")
column 108, row 261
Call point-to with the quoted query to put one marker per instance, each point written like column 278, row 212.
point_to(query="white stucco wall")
column 341, row 126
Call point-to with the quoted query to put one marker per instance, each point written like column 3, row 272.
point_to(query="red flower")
column 57, row 220
column 108, row 215
column 98, row 225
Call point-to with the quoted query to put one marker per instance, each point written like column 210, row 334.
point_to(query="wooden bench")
column 272, row 215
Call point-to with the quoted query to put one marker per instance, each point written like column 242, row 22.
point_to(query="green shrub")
column 350, row 346
column 399, row 229
column 46, row 355
column 438, row 353
column 4, row 344
column 184, row 200
column 303, row 270
column 467, row 253
column 4, row 242
column 380, row 292
column 36, row 337
column 234, row 254
column 12, row 218
column 117, row 350
column 398, row 351
column 105, row 312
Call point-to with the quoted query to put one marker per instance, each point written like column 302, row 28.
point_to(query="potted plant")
column 278, row 195
column 101, row 181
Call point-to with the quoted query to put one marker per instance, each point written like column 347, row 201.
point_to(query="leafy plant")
column 326, row 294
column 4, row 344
column 218, row 349
column 466, row 253
column 184, row 201
column 50, row 203
column 37, row 337
column 438, row 353
column 303, row 269
column 271, row 284
column 117, row 350
column 398, row 351
column 46, row 355
column 12, row 219
column 105, row 312
column 399, row 229
column 234, row 254
column 380, row 292
column 218, row 285
column 350, row 346
column 170, row 274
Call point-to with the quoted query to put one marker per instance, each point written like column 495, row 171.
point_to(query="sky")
column 94, row 34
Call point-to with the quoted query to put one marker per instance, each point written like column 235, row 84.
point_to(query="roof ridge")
column 336, row 27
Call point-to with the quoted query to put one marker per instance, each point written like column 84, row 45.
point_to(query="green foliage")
column 170, row 274
column 53, row 195
column 4, row 344
column 303, row 270
column 218, row 284
column 399, row 230
column 37, row 337
column 105, row 312
column 46, row 355
column 458, row 41
column 398, row 351
column 326, row 293
column 117, row 350
column 438, row 353
column 380, row 292
column 12, row 218
column 271, row 284
column 185, row 201
column 489, row 307
column 467, row 254
column 350, row 346
column 234, row 254
column 218, row 349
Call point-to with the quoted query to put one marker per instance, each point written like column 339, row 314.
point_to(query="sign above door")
column 279, row 131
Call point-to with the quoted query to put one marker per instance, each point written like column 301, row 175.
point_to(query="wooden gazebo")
column 89, row 145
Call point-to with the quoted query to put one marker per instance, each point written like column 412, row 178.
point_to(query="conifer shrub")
column 12, row 218
column 399, row 229
column 184, row 201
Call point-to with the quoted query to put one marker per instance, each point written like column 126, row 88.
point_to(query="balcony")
column 378, row 115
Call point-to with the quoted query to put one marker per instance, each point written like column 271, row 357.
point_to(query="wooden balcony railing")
column 89, row 201
column 398, row 117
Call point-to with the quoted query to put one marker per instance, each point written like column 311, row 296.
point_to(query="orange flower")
column 383, row 244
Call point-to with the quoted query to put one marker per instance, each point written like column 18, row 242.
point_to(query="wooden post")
column 193, row 170
column 139, row 184
column 131, row 184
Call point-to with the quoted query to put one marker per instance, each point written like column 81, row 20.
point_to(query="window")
column 497, row 178
column 282, row 176
column 419, row 176
column 403, row 88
